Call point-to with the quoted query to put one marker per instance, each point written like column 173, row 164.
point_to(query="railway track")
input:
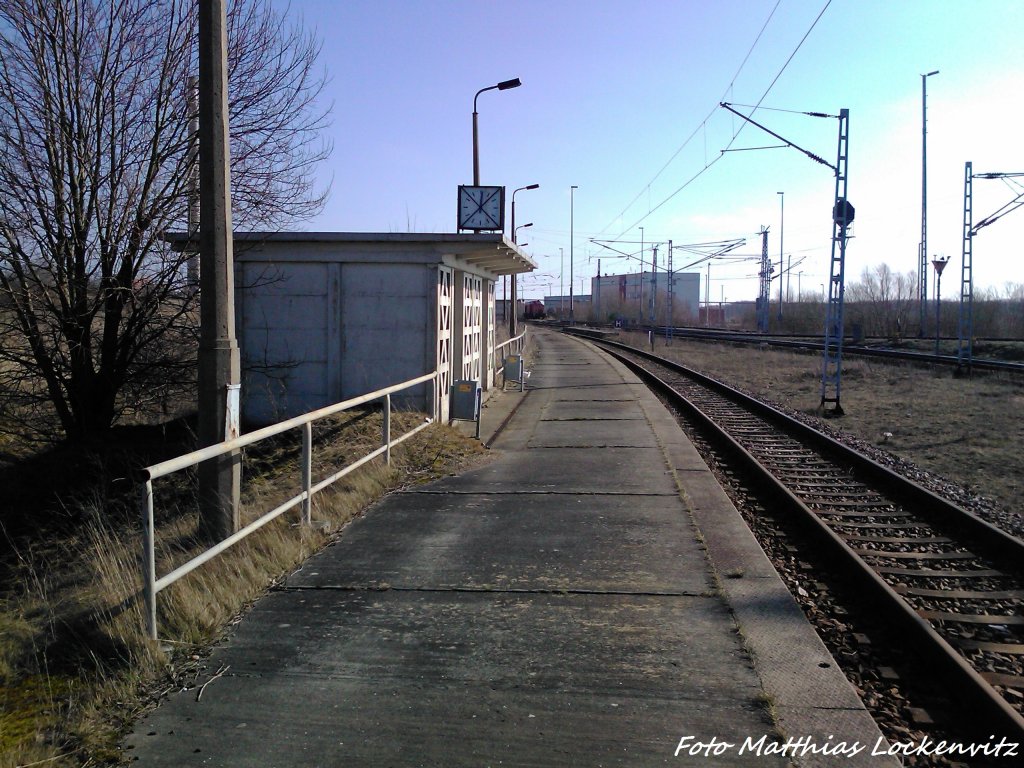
column 950, row 582
column 849, row 348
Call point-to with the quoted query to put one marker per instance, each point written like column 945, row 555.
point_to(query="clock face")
column 481, row 208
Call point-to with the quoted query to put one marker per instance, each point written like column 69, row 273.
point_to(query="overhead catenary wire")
column 736, row 133
column 702, row 125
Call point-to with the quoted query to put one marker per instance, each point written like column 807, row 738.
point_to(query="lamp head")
column 504, row 85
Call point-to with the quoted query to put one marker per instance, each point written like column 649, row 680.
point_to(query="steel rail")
column 984, row 707
column 803, row 343
column 857, row 350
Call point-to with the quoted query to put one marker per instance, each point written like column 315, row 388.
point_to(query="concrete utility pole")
column 219, row 368
column 192, row 268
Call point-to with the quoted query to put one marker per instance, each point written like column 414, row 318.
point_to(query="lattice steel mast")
column 965, row 321
column 965, row 330
column 842, row 217
column 766, row 284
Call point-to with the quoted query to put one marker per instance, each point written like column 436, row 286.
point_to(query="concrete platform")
column 563, row 605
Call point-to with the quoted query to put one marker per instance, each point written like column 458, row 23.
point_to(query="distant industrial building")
column 619, row 296
column 558, row 306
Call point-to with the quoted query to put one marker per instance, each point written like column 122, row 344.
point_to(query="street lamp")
column 512, row 322
column 939, row 262
column 520, row 189
column 782, row 232
column 641, row 275
column 923, row 257
column 504, row 85
column 561, row 283
column 571, row 235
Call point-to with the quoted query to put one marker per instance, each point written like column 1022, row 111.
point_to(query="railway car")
column 534, row 310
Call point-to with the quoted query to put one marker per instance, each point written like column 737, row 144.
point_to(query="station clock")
column 481, row 208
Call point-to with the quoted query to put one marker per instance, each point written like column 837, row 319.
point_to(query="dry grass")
column 75, row 666
column 969, row 431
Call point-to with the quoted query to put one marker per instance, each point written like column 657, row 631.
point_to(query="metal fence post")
column 307, row 472
column 149, row 556
column 387, row 429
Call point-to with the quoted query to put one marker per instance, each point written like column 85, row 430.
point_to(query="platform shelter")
column 325, row 316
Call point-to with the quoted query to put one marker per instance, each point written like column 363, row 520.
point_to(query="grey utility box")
column 465, row 402
column 513, row 370
column 465, row 405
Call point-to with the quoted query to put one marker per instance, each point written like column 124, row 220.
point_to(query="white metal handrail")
column 517, row 342
column 152, row 585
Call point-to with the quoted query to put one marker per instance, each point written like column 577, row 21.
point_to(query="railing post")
column 387, row 429
column 149, row 557
column 307, row 472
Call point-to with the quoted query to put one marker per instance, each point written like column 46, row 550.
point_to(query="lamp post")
column 782, row 233
column 561, row 283
column 923, row 254
column 799, row 288
column 514, row 327
column 513, row 320
column 939, row 263
column 641, row 275
column 504, row 85
column 572, row 209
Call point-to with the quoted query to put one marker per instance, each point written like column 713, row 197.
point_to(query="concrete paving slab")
column 608, row 470
column 556, row 542
column 444, row 678
column 592, row 433
column 585, row 392
column 608, row 410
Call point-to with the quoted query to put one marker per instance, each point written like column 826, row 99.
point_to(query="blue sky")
column 620, row 99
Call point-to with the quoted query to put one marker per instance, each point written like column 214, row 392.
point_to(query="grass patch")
column 75, row 666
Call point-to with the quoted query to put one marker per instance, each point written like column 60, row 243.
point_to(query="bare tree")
column 96, row 152
column 882, row 300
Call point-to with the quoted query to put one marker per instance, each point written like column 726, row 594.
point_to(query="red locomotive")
column 534, row 310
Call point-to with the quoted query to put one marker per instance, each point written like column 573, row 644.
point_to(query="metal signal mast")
column 765, row 273
column 965, row 331
column 842, row 217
